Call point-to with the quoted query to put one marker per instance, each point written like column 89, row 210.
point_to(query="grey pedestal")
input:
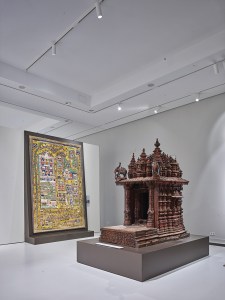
column 50, row 237
column 143, row 263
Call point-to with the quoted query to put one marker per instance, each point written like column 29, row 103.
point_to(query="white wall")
column 91, row 166
column 196, row 135
column 12, row 185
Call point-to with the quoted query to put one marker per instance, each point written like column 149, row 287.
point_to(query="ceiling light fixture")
column 197, row 97
column 223, row 64
column 53, row 48
column 150, row 85
column 119, row 107
column 98, row 9
column 216, row 68
column 157, row 109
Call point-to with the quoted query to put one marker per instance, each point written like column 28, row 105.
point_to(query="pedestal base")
column 142, row 263
column 49, row 237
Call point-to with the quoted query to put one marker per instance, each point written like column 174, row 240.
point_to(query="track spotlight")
column 98, row 9
column 197, row 97
column 53, row 48
column 223, row 64
column 119, row 107
column 157, row 109
column 216, row 68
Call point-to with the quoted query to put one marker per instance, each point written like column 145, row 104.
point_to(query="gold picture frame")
column 55, row 198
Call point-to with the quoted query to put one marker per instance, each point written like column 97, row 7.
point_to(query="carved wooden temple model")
column 153, row 201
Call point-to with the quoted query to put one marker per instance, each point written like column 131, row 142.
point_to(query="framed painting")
column 55, row 199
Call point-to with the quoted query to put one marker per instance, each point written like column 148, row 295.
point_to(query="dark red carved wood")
column 153, row 201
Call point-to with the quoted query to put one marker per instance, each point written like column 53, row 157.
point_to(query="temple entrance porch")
column 141, row 207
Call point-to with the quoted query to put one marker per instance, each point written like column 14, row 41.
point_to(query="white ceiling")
column 171, row 44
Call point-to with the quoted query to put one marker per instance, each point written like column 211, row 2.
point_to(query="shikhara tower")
column 153, row 201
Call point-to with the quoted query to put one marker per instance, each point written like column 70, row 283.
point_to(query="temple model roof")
column 156, row 166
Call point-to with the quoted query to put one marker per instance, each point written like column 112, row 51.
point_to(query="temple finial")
column 132, row 159
column 157, row 143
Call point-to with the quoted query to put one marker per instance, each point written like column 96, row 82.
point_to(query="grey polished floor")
column 50, row 272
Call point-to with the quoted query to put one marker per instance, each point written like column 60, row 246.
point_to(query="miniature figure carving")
column 155, row 168
column 120, row 171
column 153, row 201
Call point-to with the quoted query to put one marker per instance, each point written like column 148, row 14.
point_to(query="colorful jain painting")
column 57, row 184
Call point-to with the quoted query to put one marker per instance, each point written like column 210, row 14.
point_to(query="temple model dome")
column 157, row 163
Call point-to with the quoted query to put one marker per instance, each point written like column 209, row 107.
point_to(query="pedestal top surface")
column 132, row 228
column 151, row 248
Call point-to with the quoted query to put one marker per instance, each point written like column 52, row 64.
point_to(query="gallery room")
column 112, row 152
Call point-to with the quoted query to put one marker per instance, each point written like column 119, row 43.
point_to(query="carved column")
column 127, row 205
column 181, row 209
column 150, row 220
column 152, row 207
column 165, row 220
column 170, row 212
column 156, row 205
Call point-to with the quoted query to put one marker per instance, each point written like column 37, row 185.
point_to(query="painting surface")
column 57, row 182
